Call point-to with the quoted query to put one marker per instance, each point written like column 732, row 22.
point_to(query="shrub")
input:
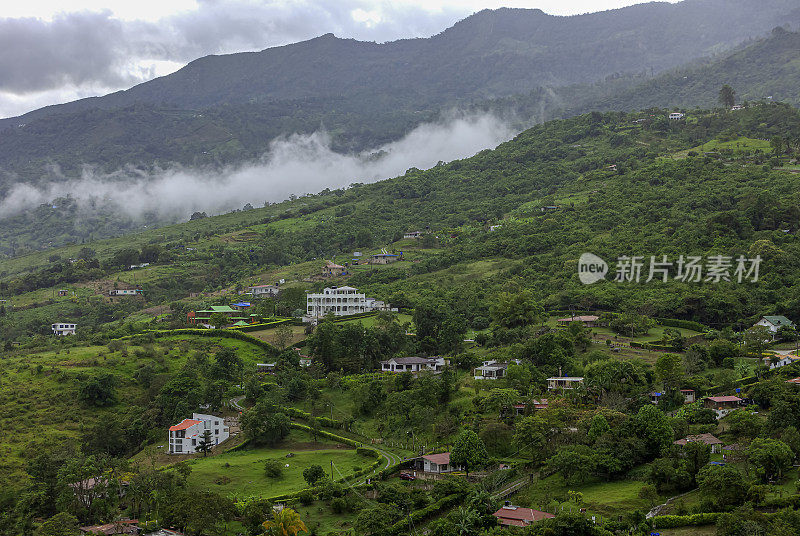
column 338, row 505
column 305, row 497
column 273, row 469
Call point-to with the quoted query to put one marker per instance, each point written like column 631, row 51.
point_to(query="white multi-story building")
column 186, row 436
column 63, row 329
column 341, row 301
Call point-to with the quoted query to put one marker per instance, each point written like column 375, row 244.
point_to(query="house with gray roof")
column 414, row 364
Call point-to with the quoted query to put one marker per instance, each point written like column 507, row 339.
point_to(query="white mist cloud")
column 296, row 165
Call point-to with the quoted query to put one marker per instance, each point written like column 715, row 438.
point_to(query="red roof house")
column 516, row 516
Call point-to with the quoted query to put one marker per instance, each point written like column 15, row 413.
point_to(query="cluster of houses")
column 331, row 269
column 341, row 301
column 236, row 315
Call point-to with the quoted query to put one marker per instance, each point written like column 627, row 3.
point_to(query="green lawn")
column 242, row 473
column 599, row 497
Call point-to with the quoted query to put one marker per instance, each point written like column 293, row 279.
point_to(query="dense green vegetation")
column 495, row 270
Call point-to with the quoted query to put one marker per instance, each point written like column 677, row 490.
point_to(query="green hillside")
column 620, row 184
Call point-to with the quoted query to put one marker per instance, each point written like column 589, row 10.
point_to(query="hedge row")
column 260, row 326
column 392, row 469
column 224, row 333
column 652, row 346
column 354, row 317
column 686, row 324
column 420, row 515
column 693, row 520
column 304, row 415
column 323, row 433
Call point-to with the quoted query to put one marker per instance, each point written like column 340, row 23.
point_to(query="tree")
column 376, row 520
column 727, row 96
column 468, row 451
column 756, row 339
column 669, row 369
column 61, row 524
column 769, row 457
column 263, row 425
column 218, row 320
column 653, row 427
column 649, row 493
column 205, row 445
column 313, row 474
column 283, row 336
column 575, row 463
column 98, row 390
column 721, row 486
column 598, row 427
column 744, row 423
column 517, row 309
column 273, row 469
column 287, row 522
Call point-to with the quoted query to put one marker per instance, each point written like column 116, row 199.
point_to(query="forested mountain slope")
column 766, row 69
column 220, row 109
column 622, row 184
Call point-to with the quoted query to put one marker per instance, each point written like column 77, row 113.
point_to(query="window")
column 216, row 432
column 194, row 442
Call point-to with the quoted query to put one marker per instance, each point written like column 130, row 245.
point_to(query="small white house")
column 125, row 292
column 413, row 364
column 186, row 436
column 774, row 322
column 64, row 329
column 435, row 463
column 413, row 235
column 265, row 367
column 676, row 115
column 564, row 382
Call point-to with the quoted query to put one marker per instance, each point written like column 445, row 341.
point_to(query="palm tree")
column 287, row 522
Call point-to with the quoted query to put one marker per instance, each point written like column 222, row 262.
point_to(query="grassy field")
column 599, row 497
column 241, row 473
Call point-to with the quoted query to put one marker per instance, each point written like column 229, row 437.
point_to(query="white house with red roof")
column 185, row 436
column 436, row 463
column 516, row 516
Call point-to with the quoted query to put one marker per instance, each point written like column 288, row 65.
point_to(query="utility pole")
column 331, row 470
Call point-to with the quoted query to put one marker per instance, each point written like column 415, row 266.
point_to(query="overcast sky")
column 51, row 54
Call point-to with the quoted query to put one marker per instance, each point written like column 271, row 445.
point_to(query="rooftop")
column 708, row 439
column 439, row 459
column 584, row 318
column 184, row 424
column 724, row 398
column 778, row 320
column 518, row 516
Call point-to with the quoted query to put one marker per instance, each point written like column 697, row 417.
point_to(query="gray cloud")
column 293, row 165
column 95, row 49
